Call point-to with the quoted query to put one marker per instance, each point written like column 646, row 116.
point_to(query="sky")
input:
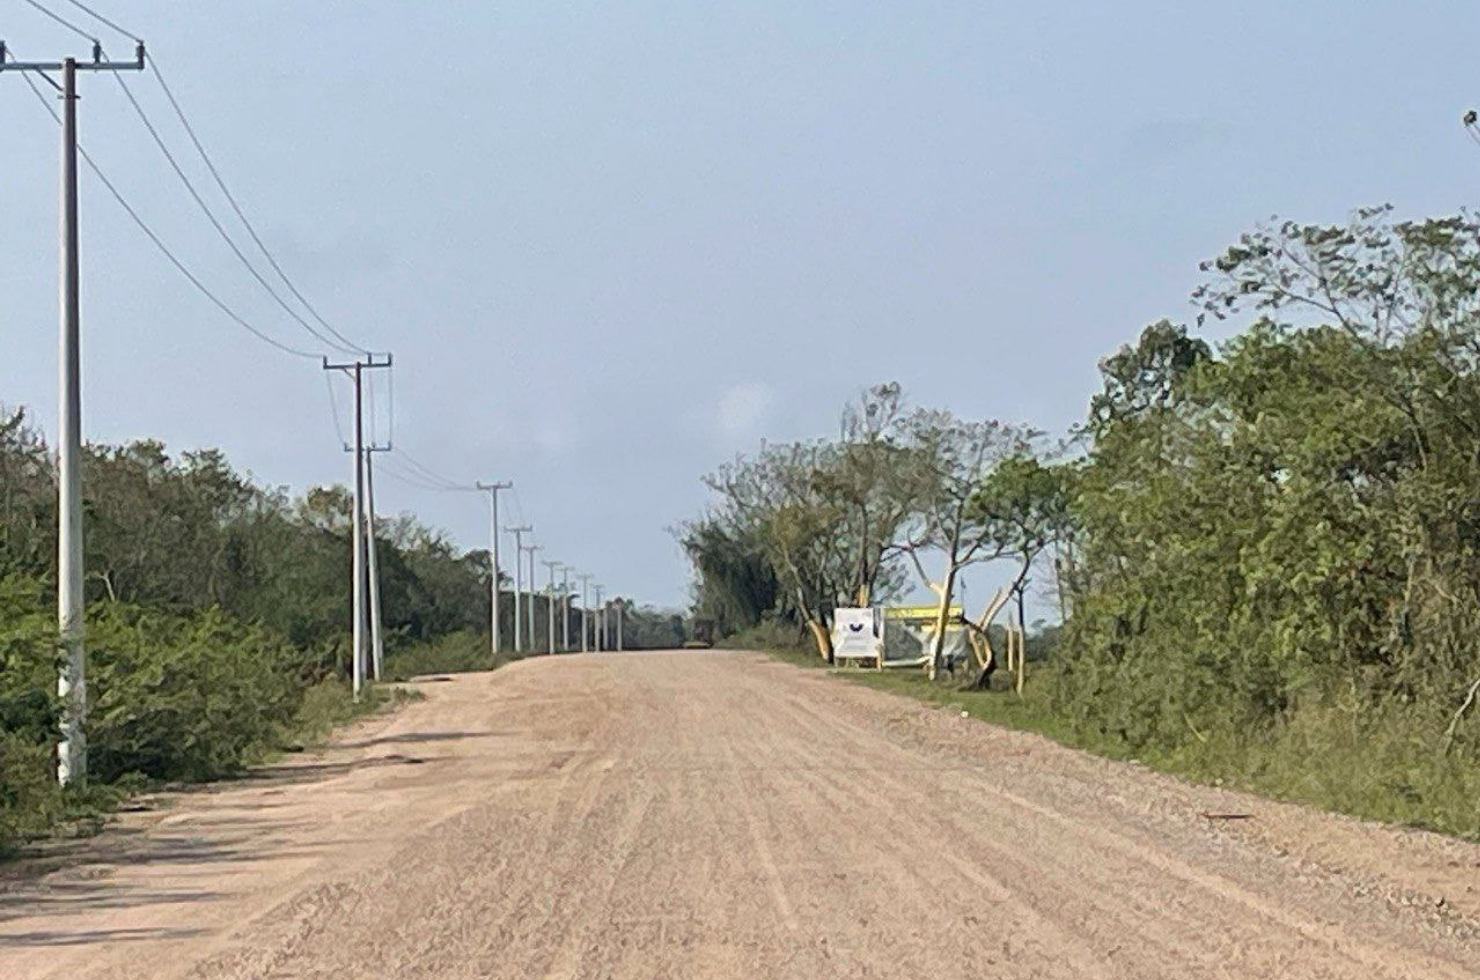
column 611, row 245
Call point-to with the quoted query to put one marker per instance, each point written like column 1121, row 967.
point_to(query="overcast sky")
column 612, row 244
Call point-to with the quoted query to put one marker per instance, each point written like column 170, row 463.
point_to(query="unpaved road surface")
column 698, row 815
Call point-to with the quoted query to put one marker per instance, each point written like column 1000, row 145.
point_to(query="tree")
column 736, row 585
column 1023, row 507
column 876, row 480
column 958, row 456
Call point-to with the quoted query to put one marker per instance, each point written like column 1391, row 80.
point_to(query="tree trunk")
column 822, row 636
column 980, row 636
column 943, row 612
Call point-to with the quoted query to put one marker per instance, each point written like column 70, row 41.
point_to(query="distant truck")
column 701, row 635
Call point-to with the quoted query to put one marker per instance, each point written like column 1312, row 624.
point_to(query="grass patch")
column 1029, row 713
column 455, row 653
column 778, row 640
column 330, row 705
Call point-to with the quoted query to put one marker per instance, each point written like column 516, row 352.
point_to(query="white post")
column 358, row 633
column 492, row 489
column 531, row 593
column 565, row 609
column 519, row 533
column 71, row 613
column 585, row 632
column 493, row 625
column 550, row 607
column 377, row 644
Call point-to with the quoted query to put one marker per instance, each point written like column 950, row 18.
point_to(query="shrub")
column 185, row 698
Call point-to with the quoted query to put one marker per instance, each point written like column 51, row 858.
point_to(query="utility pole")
column 565, row 608
column 377, row 642
column 492, row 490
column 600, row 621
column 550, row 605
column 519, row 533
column 355, row 370
column 585, row 585
column 71, row 596
column 530, row 550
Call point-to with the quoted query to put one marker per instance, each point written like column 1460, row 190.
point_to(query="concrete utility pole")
column 519, row 533
column 550, row 611
column 71, row 597
column 530, row 595
column 492, row 490
column 600, row 621
column 565, row 608
column 377, row 642
column 356, row 369
column 585, row 584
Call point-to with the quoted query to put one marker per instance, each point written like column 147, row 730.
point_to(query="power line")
column 414, row 479
column 519, row 506
column 237, row 208
column 374, row 427
column 100, row 19
column 153, row 237
column 216, row 223
column 58, row 18
column 334, row 409
column 430, row 473
column 215, row 172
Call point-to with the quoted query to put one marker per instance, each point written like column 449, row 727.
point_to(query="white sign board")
column 857, row 634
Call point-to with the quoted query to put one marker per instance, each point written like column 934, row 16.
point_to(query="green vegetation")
column 217, row 621
column 1266, row 549
column 453, row 653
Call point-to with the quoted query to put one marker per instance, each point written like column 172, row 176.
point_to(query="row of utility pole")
column 368, row 649
column 524, row 599
column 365, row 570
column 368, row 645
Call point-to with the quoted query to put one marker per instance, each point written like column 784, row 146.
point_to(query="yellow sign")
column 921, row 612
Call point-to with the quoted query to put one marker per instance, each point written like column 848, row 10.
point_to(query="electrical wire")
column 349, row 346
column 101, row 19
column 390, row 383
column 241, row 214
column 149, row 232
column 216, row 223
column 58, row 18
column 412, row 478
column 519, row 506
column 430, row 473
column 334, row 409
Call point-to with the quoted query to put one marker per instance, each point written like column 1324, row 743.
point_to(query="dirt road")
column 718, row 815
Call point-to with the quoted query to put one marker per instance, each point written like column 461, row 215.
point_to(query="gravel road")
column 705, row 814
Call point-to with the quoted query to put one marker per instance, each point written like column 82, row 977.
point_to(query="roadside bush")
column 29, row 797
column 185, row 698
column 217, row 618
column 453, row 653
column 776, row 636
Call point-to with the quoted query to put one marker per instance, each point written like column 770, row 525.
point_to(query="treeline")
column 1266, row 549
column 218, row 612
column 799, row 529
